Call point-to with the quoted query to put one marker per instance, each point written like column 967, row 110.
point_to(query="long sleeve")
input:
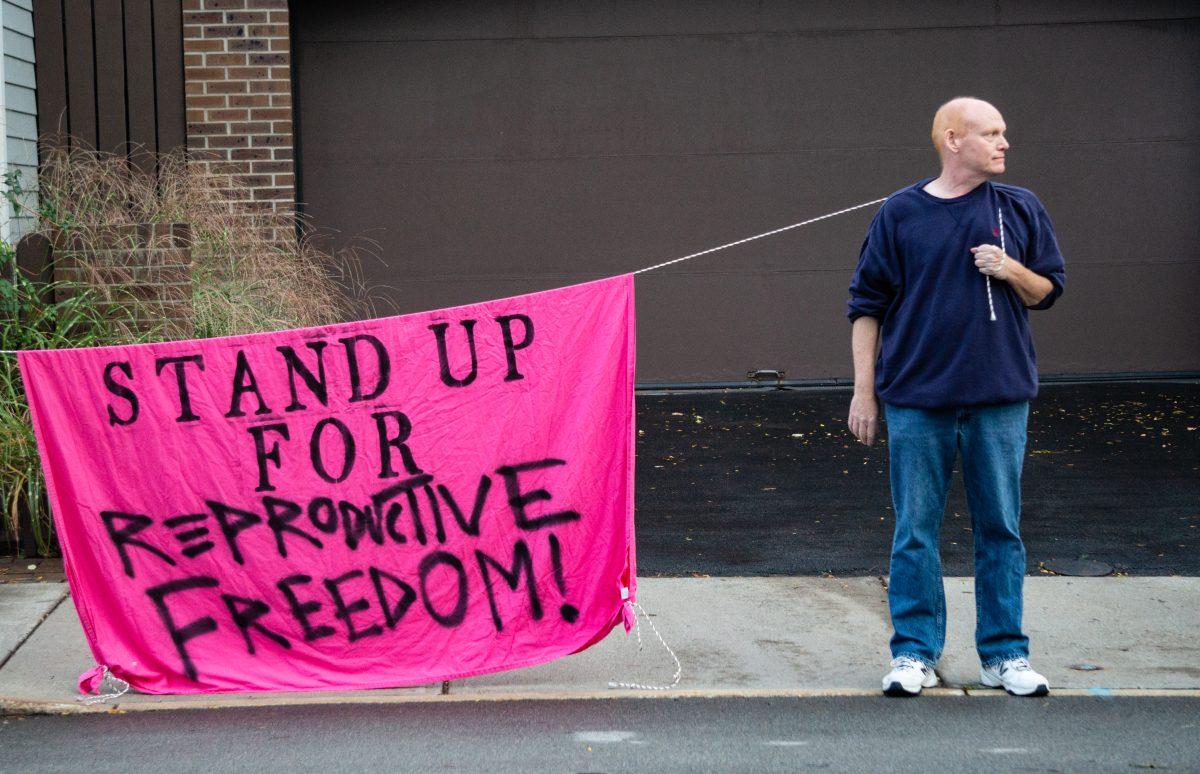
column 1044, row 257
column 875, row 284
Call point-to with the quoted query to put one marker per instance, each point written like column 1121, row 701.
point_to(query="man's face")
column 983, row 145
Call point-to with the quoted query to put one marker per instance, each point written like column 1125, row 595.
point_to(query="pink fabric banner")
column 381, row 503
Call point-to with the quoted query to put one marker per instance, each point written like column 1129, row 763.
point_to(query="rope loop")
column 636, row 608
column 103, row 698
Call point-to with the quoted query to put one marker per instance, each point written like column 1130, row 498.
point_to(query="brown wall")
column 495, row 148
column 110, row 73
column 237, row 68
column 141, row 274
column 122, row 76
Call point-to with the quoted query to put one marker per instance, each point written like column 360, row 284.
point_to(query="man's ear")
column 953, row 141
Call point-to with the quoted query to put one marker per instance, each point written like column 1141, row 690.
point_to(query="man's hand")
column 992, row 261
column 864, row 417
column 1029, row 286
column 864, row 407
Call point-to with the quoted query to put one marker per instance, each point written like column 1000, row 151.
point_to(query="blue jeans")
column 922, row 446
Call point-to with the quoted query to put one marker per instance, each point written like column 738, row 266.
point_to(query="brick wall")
column 238, row 97
column 143, row 272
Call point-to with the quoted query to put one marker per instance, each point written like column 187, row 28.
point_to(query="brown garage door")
column 495, row 148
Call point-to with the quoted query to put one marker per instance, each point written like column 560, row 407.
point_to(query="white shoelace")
column 904, row 662
column 1017, row 665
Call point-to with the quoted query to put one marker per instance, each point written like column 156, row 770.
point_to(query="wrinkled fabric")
column 90, row 681
column 364, row 505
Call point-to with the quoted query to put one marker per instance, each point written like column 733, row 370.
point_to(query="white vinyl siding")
column 19, row 101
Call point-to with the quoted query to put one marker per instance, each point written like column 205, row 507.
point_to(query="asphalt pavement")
column 946, row 734
column 770, row 482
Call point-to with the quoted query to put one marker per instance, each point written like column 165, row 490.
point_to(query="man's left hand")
column 992, row 261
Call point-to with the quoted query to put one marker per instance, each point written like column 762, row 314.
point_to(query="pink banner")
column 381, row 503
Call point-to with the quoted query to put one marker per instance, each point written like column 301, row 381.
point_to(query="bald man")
column 949, row 270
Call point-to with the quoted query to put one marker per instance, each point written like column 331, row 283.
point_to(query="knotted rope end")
column 94, row 680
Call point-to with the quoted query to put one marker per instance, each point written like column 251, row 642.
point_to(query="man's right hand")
column 864, row 417
column 864, row 408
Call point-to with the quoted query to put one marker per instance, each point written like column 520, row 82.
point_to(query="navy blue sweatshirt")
column 916, row 273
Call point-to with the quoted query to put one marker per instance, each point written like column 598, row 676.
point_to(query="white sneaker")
column 908, row 677
column 1016, row 676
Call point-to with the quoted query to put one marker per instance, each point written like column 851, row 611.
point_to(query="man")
column 948, row 271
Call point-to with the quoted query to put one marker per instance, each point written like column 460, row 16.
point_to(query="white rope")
column 635, row 608
column 104, row 697
column 992, row 309
column 760, row 236
column 721, row 247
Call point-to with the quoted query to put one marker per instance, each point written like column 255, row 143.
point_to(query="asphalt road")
column 771, row 483
column 686, row 735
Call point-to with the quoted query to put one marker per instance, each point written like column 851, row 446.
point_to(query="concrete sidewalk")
column 789, row 636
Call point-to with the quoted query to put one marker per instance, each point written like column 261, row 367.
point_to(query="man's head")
column 969, row 136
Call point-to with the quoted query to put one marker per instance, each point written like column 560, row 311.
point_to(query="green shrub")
column 31, row 318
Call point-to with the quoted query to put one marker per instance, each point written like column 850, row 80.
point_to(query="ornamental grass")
column 252, row 269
